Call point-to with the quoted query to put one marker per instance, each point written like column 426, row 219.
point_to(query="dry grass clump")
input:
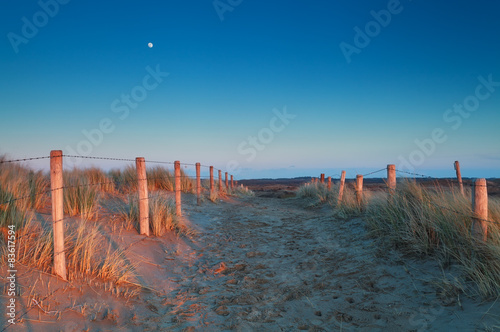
column 345, row 208
column 412, row 220
column 125, row 180
column 21, row 191
column 214, row 195
column 102, row 181
column 81, row 196
column 242, row 191
column 188, row 185
column 160, row 178
column 349, row 206
column 21, row 182
column 89, row 253
column 162, row 216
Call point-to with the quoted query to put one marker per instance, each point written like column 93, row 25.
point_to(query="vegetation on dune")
column 89, row 251
column 162, row 216
column 433, row 221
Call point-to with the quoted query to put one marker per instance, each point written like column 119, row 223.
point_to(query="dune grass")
column 347, row 207
column 242, row 191
column 438, row 222
column 89, row 253
column 81, row 194
column 434, row 221
column 162, row 216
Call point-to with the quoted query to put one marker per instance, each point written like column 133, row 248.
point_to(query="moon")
column 150, row 45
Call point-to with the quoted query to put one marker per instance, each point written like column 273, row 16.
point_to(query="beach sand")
column 256, row 264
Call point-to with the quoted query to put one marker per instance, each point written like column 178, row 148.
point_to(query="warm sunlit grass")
column 162, row 216
column 81, row 195
column 89, row 253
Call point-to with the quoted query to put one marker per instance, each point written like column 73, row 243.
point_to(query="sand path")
column 269, row 264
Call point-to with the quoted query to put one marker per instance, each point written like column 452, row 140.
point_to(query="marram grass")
column 432, row 221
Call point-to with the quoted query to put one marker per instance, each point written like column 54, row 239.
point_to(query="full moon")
column 150, row 45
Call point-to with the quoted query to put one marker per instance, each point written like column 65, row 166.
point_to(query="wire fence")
column 122, row 182
column 115, row 182
column 464, row 182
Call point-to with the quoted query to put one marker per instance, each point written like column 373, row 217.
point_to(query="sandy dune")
column 260, row 264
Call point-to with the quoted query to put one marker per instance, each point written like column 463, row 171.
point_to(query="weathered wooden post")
column 391, row 178
column 211, row 179
column 226, row 180
column 198, row 184
column 178, row 203
column 329, row 182
column 341, row 187
column 232, row 182
column 359, row 188
column 220, row 181
column 322, row 178
column 459, row 177
column 480, row 209
column 56, row 186
column 142, row 190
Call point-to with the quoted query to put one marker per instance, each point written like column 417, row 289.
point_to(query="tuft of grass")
column 88, row 251
column 214, row 196
column 188, row 185
column 160, row 178
column 349, row 206
column 412, row 220
column 80, row 196
column 162, row 216
column 103, row 182
column 242, row 191
column 21, row 191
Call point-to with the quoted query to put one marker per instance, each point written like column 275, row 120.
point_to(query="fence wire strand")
column 21, row 160
column 374, row 172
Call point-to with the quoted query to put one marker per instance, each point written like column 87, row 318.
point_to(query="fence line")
column 479, row 195
column 141, row 178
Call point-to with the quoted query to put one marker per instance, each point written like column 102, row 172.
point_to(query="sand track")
column 269, row 264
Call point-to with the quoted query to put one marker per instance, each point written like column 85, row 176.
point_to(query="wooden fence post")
column 142, row 190
column 480, row 209
column 341, row 187
column 329, row 182
column 359, row 188
column 211, row 179
column 232, row 182
column 459, row 177
column 226, row 180
column 322, row 176
column 56, row 186
column 198, row 184
column 220, row 181
column 178, row 203
column 391, row 178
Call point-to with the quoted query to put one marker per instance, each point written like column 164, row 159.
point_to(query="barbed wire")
column 98, row 158
column 114, row 182
column 416, row 174
column 21, row 160
column 377, row 171
column 133, row 160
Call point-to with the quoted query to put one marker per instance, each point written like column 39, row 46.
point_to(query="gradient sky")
column 226, row 76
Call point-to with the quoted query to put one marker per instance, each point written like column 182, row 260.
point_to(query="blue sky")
column 229, row 78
